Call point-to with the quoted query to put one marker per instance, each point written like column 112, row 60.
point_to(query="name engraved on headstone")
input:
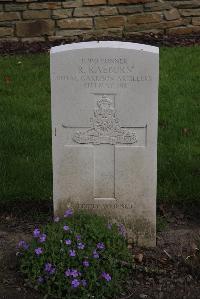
column 105, row 73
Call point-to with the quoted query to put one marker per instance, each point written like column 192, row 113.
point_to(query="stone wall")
column 32, row 20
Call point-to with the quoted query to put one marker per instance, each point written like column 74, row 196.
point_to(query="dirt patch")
column 162, row 272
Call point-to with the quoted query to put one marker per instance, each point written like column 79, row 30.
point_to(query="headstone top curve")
column 104, row 44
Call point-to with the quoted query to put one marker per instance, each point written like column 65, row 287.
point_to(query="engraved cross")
column 104, row 134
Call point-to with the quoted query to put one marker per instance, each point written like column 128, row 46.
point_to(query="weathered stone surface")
column 36, row 14
column 129, row 9
column 33, row 39
column 141, row 33
column 35, row 28
column 15, row 7
column 189, row 12
column 94, row 11
column 109, row 22
column 144, row 18
column 113, row 2
column 63, row 33
column 9, row 16
column 159, row 25
column 107, row 10
column 82, row 23
column 127, row 15
column 6, row 31
column 45, row 5
column 62, row 13
column 196, row 21
column 183, row 30
column 94, row 2
column 110, row 32
column 186, row 4
column 106, row 165
column 9, row 39
column 75, row 3
column 27, row 1
column 157, row 6
column 55, row 38
column 171, row 14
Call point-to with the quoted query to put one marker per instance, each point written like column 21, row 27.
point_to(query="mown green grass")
column 179, row 125
column 25, row 127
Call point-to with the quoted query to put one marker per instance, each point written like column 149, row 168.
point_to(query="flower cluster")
column 75, row 275
column 121, row 229
column 38, row 235
column 72, row 272
column 75, row 255
column 41, row 238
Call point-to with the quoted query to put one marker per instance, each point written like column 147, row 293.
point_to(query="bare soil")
column 171, row 270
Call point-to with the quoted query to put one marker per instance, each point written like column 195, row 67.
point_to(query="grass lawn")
column 25, row 127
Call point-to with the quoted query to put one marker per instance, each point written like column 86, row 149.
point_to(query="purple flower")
column 86, row 263
column 95, row 254
column 66, row 227
column 36, row 233
column 68, row 272
column 56, row 219
column 75, row 283
column 42, row 238
column 78, row 237
column 68, row 242
column 81, row 245
column 40, row 279
column 72, row 253
column 38, row 251
column 106, row 276
column 68, row 213
column 49, row 268
column 23, row 244
column 100, row 245
column 122, row 230
column 72, row 272
column 75, row 273
column 83, row 282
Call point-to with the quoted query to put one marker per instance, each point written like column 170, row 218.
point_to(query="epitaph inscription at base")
column 104, row 131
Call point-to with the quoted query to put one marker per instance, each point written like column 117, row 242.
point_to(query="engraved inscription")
column 105, row 127
column 88, row 206
column 108, row 72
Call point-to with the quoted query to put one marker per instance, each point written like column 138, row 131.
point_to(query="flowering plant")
column 79, row 256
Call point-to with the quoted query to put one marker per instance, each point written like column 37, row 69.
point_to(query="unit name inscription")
column 118, row 72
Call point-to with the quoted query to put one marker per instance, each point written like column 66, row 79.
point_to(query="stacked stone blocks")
column 31, row 20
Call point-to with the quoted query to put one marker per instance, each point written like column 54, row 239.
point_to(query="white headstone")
column 104, row 130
